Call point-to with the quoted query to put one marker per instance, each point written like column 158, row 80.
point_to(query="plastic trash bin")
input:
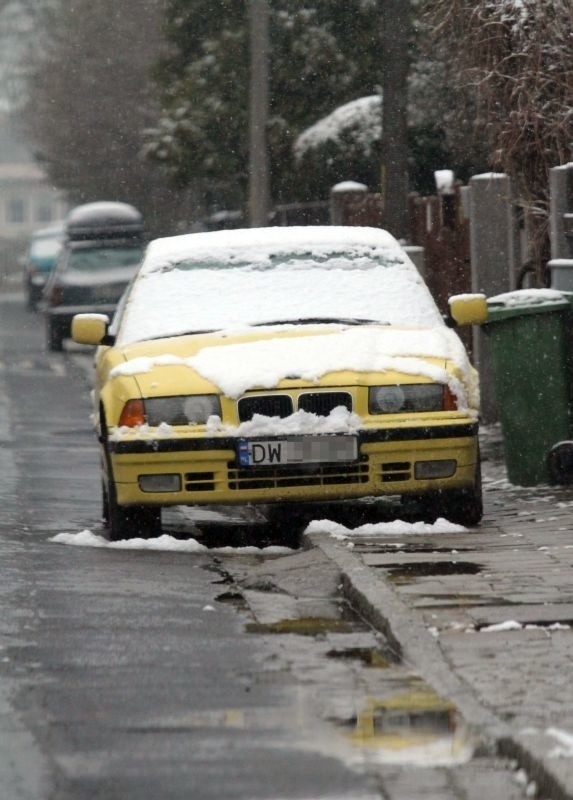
column 531, row 361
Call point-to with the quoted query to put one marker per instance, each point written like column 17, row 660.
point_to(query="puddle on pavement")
column 412, row 548
column 406, row 572
column 369, row 656
column 231, row 598
column 445, row 599
column 415, row 727
column 304, row 626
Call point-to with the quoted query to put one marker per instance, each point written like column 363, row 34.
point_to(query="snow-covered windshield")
column 234, row 288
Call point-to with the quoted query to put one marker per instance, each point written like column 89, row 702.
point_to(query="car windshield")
column 94, row 259
column 198, row 294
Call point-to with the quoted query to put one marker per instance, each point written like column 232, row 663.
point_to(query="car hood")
column 324, row 355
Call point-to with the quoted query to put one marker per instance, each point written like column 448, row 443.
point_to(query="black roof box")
column 104, row 220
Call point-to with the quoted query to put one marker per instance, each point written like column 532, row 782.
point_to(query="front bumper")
column 210, row 473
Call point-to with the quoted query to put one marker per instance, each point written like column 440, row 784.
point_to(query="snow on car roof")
column 235, row 279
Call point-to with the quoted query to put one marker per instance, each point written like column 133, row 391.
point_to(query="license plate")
column 297, row 450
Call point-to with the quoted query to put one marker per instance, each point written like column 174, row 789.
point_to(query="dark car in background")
column 43, row 250
column 103, row 247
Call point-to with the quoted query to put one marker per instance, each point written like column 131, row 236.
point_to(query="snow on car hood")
column 236, row 363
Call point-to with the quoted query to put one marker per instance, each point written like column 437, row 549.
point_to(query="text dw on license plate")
column 307, row 450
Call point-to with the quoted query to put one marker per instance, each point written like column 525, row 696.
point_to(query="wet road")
column 121, row 674
column 136, row 674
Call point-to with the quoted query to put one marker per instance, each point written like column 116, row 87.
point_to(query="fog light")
column 160, row 483
column 434, row 469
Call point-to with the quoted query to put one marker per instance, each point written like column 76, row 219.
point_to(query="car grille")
column 270, row 405
column 322, row 403
column 398, row 471
column 199, row 481
column 280, row 477
column 281, row 405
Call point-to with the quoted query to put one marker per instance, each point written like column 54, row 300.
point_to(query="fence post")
column 493, row 263
column 561, row 203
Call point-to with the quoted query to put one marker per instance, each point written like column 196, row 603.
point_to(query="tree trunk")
column 395, row 59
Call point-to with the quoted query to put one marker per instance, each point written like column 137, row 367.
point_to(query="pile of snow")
column 512, row 625
column 395, row 528
column 340, row 420
column 237, row 368
column 167, row 543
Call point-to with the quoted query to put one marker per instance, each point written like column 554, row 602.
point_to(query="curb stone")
column 378, row 603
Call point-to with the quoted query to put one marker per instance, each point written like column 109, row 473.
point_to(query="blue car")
column 43, row 250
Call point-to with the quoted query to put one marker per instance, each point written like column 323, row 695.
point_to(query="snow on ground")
column 395, row 528
column 86, row 538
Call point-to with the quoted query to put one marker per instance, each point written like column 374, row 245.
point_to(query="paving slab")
column 513, row 684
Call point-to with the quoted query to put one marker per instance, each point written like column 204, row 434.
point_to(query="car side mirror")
column 91, row 329
column 468, row 309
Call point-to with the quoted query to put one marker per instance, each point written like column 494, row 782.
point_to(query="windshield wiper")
column 177, row 335
column 322, row 321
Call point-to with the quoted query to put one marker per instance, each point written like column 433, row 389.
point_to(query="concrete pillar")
column 561, row 202
column 494, row 260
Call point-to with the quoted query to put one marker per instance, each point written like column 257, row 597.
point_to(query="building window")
column 16, row 211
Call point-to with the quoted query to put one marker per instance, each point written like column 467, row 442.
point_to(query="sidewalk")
column 485, row 616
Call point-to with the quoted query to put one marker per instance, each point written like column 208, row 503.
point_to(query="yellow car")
column 281, row 366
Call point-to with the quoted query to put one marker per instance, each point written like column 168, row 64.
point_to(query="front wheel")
column 130, row 522
column 462, row 506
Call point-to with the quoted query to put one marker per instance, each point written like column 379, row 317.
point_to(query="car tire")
column 130, row 522
column 104, row 505
column 461, row 506
column 286, row 523
column 55, row 336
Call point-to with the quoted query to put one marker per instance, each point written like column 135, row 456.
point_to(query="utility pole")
column 396, row 62
column 259, row 180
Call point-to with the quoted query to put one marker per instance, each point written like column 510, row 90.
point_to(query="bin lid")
column 523, row 302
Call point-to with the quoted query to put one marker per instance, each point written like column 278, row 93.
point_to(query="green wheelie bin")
column 531, row 359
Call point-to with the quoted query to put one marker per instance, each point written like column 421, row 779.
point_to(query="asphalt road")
column 121, row 674
column 219, row 674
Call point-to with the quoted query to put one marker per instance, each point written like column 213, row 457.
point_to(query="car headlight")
column 412, row 397
column 193, row 409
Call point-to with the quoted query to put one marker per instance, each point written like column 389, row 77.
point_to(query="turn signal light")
column 133, row 414
column 450, row 402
